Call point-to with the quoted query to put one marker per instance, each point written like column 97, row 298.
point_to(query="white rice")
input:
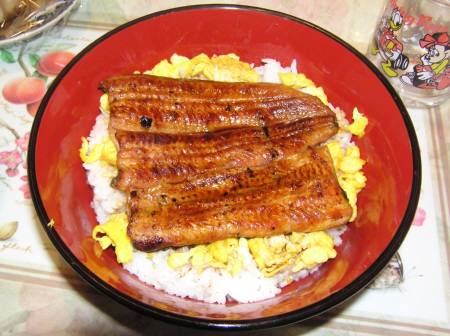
column 107, row 200
column 211, row 284
column 271, row 68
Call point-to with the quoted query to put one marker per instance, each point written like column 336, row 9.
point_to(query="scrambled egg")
column 297, row 250
column 348, row 165
column 359, row 124
column 224, row 68
column 297, row 81
column 51, row 224
column 104, row 151
column 316, row 91
column 114, row 232
column 104, row 102
column 220, row 254
column 304, row 84
column 271, row 254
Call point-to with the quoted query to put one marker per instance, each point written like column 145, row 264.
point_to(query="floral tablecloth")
column 41, row 294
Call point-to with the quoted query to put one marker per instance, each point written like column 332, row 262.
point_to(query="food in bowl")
column 214, row 268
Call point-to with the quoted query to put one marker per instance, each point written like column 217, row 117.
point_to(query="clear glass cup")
column 411, row 47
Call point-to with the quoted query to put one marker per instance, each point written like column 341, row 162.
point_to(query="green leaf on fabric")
column 34, row 59
column 6, row 56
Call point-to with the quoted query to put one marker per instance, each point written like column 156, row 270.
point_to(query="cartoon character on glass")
column 433, row 72
column 389, row 47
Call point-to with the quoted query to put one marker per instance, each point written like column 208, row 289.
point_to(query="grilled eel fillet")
column 297, row 194
column 165, row 105
column 145, row 159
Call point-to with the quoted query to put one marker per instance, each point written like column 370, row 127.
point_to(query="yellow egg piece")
column 295, row 80
column 84, row 149
column 115, row 234
column 178, row 60
column 270, row 272
column 178, row 259
column 260, row 251
column 228, row 68
column 180, row 64
column 358, row 126
column 297, row 237
column 352, row 151
column 292, row 248
column 164, row 69
column 321, row 238
column 89, row 156
column 200, row 256
column 349, row 172
column 196, row 65
column 273, row 254
column 197, row 69
column 350, row 164
column 277, row 243
column 357, row 180
column 351, row 193
column 51, row 224
column 219, row 254
column 104, row 151
column 108, row 151
column 198, row 249
column 104, row 102
column 200, row 58
column 219, row 250
column 316, row 255
column 317, row 92
column 336, row 152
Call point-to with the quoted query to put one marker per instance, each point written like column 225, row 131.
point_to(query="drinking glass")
column 411, row 47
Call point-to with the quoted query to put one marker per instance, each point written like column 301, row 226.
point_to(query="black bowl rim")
column 251, row 324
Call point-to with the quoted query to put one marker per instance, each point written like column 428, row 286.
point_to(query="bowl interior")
column 69, row 110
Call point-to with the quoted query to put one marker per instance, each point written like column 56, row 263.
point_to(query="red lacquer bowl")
column 386, row 206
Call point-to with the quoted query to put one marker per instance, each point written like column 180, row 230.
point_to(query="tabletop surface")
column 41, row 294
